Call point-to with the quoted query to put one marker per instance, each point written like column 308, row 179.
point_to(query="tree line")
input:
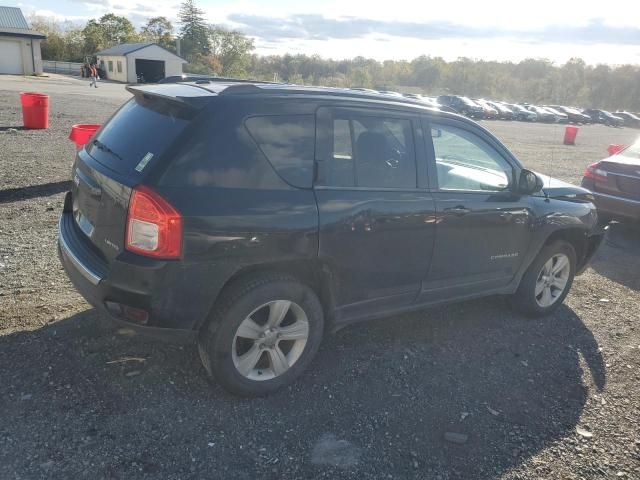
column 211, row 49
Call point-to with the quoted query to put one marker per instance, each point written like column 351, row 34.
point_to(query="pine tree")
column 193, row 30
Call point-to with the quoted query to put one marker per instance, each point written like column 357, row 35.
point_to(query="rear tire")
column 547, row 281
column 262, row 334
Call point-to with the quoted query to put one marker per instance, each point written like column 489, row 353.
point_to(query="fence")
column 68, row 68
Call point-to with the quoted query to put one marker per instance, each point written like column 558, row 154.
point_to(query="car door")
column 376, row 214
column 482, row 230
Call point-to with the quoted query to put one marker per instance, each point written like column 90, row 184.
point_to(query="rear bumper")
column 170, row 292
column 617, row 207
column 75, row 253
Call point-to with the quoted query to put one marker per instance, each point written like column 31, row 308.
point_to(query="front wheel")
column 262, row 334
column 548, row 280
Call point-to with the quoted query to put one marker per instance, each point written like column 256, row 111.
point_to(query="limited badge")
column 143, row 163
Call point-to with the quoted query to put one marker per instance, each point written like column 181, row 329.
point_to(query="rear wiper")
column 106, row 149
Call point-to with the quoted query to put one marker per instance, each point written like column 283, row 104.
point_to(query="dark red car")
column 615, row 183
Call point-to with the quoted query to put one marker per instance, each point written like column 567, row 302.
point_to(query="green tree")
column 74, row 45
column 64, row 40
column 193, row 31
column 159, row 30
column 212, row 49
column 107, row 31
column 53, row 47
column 231, row 49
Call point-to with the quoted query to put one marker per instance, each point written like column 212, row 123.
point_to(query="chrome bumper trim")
column 85, row 271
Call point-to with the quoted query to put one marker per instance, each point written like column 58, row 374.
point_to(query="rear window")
column 138, row 134
column 288, row 142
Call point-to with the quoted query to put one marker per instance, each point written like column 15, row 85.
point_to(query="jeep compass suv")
column 253, row 218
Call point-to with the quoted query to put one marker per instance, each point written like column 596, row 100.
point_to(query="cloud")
column 104, row 3
column 319, row 27
column 70, row 20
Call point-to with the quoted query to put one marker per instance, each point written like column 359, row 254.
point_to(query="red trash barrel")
column 35, row 109
column 615, row 148
column 570, row 134
column 82, row 132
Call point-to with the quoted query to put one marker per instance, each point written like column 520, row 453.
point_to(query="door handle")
column 458, row 211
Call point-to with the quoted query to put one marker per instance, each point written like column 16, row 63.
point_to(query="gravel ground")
column 467, row 391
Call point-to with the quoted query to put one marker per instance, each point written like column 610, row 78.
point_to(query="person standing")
column 93, row 71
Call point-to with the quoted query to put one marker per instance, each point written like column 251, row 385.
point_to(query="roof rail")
column 194, row 77
column 249, row 87
column 241, row 80
column 241, row 88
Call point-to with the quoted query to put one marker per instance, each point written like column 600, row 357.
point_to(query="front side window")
column 466, row 162
column 110, row 65
column 370, row 151
column 119, row 65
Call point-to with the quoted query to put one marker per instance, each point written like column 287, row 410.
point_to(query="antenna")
column 546, row 193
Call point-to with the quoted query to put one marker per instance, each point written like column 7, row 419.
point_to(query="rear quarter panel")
column 237, row 211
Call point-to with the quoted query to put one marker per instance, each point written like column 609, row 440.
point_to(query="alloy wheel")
column 270, row 340
column 552, row 280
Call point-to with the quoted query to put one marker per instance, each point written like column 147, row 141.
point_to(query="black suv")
column 253, row 218
column 462, row 105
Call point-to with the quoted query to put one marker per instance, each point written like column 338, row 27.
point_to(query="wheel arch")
column 312, row 273
column 576, row 237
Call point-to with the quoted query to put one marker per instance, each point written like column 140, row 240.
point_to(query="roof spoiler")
column 190, row 96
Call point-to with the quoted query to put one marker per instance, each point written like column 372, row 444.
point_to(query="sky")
column 596, row 31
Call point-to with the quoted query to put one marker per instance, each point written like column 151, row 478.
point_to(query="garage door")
column 10, row 57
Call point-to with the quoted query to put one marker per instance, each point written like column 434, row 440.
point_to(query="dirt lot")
column 555, row 398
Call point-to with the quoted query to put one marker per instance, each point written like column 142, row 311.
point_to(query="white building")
column 134, row 62
column 19, row 45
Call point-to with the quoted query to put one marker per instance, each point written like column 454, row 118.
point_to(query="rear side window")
column 140, row 132
column 288, row 142
column 374, row 152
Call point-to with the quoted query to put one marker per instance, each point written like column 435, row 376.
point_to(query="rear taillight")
column 594, row 171
column 154, row 227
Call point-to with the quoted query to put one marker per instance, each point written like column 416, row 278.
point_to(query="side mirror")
column 529, row 182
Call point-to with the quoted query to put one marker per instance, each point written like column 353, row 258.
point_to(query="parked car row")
column 480, row 108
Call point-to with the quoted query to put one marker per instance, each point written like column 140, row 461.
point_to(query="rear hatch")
column 623, row 174
column 124, row 153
